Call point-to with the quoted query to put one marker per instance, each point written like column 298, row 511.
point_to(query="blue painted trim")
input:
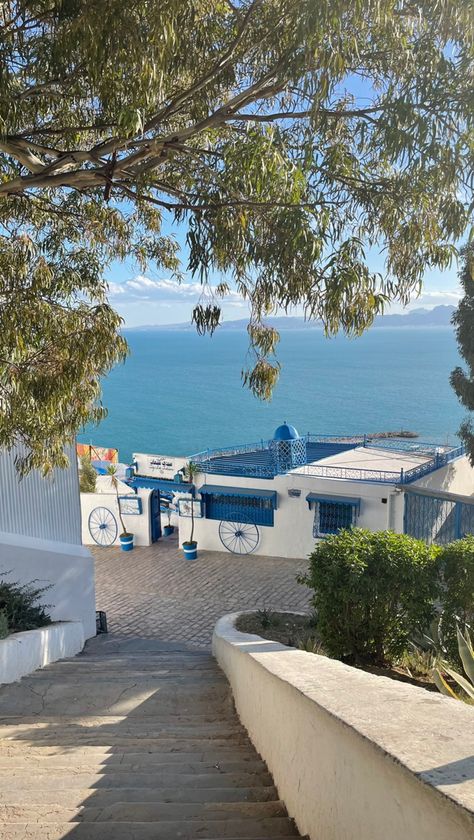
column 137, row 503
column 161, row 484
column 197, row 514
column 247, row 492
column 341, row 500
column 458, row 520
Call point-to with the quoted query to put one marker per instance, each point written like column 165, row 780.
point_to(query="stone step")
column 112, row 644
column 151, row 779
column 101, row 798
column 112, row 831
column 132, row 671
column 192, row 663
column 132, row 740
column 249, row 764
column 271, row 827
column 101, row 740
column 132, row 746
column 117, row 726
column 118, row 697
column 100, row 757
column 125, row 811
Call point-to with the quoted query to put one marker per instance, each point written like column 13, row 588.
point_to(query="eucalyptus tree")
column 462, row 379
column 286, row 137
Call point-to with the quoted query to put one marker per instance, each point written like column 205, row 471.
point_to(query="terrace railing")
column 351, row 473
column 226, row 461
column 440, row 460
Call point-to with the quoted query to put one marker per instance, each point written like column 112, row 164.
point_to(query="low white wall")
column 354, row 756
column 138, row 525
column 292, row 533
column 69, row 568
column 455, row 477
column 23, row 653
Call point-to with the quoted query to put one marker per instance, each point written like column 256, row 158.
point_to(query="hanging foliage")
column 287, row 138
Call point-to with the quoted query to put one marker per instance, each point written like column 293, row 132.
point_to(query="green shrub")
column 4, row 630
column 19, row 604
column 372, row 591
column 87, row 476
column 456, row 565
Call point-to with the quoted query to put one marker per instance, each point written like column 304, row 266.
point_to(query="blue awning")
column 341, row 500
column 248, row 492
column 165, row 485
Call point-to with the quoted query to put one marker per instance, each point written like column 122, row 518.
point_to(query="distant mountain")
column 440, row 316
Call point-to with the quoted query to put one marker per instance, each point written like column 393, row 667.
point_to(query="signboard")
column 130, row 505
column 184, row 507
column 158, row 466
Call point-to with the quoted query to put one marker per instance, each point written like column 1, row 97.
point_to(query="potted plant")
column 126, row 538
column 168, row 529
column 191, row 470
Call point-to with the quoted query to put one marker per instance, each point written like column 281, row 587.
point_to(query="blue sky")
column 155, row 298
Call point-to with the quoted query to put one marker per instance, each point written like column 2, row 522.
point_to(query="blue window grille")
column 240, row 508
column 331, row 515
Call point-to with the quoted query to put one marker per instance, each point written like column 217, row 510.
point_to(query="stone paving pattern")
column 154, row 592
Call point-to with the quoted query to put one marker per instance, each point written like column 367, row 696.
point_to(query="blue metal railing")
column 351, row 473
column 359, row 440
column 223, row 451
column 440, row 460
column 226, row 460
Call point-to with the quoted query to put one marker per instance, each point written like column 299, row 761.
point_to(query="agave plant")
column 466, row 653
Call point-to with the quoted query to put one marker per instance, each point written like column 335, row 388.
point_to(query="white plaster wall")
column 455, row 477
column 292, row 533
column 69, row 568
column 138, row 525
column 23, row 653
column 354, row 756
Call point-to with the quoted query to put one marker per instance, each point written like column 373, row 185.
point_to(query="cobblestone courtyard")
column 154, row 593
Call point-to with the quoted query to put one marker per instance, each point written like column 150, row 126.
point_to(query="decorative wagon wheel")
column 239, row 537
column 102, row 526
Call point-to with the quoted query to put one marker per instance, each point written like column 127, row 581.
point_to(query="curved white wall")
column 354, row 756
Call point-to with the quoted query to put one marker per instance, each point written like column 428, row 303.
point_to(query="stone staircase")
column 131, row 740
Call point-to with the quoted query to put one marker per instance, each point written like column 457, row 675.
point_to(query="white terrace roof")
column 363, row 458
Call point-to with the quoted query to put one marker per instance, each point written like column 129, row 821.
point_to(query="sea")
column 179, row 393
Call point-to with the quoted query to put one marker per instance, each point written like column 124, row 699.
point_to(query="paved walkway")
column 154, row 593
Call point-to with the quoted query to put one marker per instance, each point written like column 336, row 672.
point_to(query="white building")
column 278, row 497
column 40, row 539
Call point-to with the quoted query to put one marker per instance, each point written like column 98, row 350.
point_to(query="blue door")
column 155, row 516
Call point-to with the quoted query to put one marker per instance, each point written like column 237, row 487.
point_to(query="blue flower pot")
column 126, row 542
column 190, row 551
column 168, row 530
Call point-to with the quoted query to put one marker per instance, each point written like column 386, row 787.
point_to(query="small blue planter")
column 168, row 530
column 126, row 542
column 190, row 551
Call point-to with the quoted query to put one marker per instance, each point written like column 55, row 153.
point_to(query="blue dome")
column 285, row 432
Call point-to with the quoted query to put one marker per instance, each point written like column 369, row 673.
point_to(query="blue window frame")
column 239, row 504
column 332, row 514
